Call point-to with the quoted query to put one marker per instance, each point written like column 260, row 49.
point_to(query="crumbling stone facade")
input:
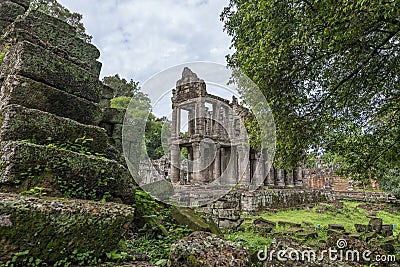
column 216, row 143
column 213, row 133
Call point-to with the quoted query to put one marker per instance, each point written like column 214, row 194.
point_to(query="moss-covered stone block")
column 40, row 64
column 10, row 11
column 20, row 123
column 51, row 229
column 113, row 115
column 23, row 3
column 3, row 24
column 187, row 217
column 32, row 94
column 24, row 166
column 34, row 28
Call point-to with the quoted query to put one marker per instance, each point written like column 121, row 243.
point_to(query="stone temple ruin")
column 216, row 142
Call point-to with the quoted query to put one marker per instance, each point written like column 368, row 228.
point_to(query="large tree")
column 330, row 71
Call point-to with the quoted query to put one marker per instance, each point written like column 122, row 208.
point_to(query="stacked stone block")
column 50, row 98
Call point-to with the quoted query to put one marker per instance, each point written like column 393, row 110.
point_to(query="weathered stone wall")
column 227, row 210
column 51, row 105
column 376, row 197
column 51, row 97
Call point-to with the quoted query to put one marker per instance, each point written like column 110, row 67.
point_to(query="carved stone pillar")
column 217, row 162
column 289, row 179
column 270, row 178
column 298, row 176
column 280, row 178
column 197, row 164
column 175, row 163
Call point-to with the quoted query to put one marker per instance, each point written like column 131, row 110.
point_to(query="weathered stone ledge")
column 10, row 11
column 32, row 94
column 227, row 210
column 23, row 3
column 51, row 229
column 20, row 123
column 32, row 28
column 24, row 166
column 35, row 62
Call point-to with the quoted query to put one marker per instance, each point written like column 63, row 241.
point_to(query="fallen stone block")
column 25, row 166
column 32, row 94
column 307, row 235
column 370, row 235
column 40, row 64
column 19, row 123
column 202, row 249
column 375, row 224
column 187, row 217
column 336, row 227
column 387, row 230
column 51, row 229
column 290, row 224
column 360, row 228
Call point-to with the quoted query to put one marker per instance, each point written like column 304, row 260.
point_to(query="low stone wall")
column 226, row 211
column 377, row 197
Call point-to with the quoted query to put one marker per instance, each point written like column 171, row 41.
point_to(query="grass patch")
column 322, row 215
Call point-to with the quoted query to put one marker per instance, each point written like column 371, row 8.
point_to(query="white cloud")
column 139, row 38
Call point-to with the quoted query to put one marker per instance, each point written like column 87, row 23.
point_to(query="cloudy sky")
column 139, row 38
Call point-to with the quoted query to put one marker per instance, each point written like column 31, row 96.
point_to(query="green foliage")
column 253, row 129
column 3, row 53
column 36, row 191
column 153, row 138
column 329, row 70
column 55, row 9
column 73, row 189
column 390, row 181
column 117, row 255
column 157, row 229
column 122, row 87
column 120, row 102
column 81, row 258
column 79, row 145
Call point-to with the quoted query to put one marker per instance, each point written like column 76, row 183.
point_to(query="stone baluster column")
column 270, row 178
column 280, row 178
column 289, row 179
column 298, row 176
column 197, row 163
column 200, row 116
column 175, row 163
column 217, row 162
column 174, row 131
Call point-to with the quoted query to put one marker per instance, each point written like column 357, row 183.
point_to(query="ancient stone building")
column 214, row 148
column 214, row 140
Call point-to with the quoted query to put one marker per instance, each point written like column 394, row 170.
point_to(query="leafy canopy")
column 330, row 72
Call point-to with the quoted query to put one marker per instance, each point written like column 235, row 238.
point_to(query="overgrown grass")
column 322, row 215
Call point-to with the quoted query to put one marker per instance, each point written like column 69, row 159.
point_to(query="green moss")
column 55, row 229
